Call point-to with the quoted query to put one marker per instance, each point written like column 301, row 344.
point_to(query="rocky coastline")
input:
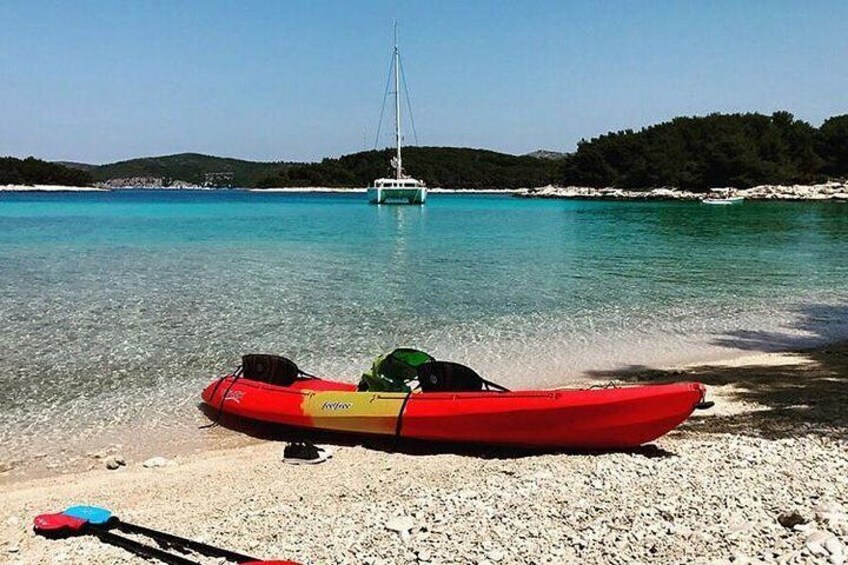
column 833, row 190
column 829, row 191
column 148, row 182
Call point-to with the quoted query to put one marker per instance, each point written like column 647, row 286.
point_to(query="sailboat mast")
column 399, row 167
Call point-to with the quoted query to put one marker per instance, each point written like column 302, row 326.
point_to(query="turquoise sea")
column 118, row 307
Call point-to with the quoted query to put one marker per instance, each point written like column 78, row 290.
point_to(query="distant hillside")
column 738, row 150
column 193, row 168
column 448, row 167
column 32, row 171
column 75, row 165
column 694, row 153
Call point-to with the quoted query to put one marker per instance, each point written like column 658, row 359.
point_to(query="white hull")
column 719, row 201
column 397, row 195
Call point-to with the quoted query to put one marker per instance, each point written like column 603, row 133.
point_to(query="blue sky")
column 300, row 80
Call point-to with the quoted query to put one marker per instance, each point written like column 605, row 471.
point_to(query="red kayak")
column 587, row 419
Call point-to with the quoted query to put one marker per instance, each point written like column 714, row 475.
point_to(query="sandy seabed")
column 714, row 491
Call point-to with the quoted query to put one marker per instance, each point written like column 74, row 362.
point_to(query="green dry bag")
column 394, row 371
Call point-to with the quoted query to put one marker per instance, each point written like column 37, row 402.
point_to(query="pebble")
column 816, row 541
column 740, row 558
column 833, row 546
column 739, row 524
column 827, row 507
column 495, row 556
column 791, row 519
column 154, row 462
column 114, row 462
column 830, row 513
column 402, row 524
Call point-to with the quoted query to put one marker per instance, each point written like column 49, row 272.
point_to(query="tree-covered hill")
column 75, row 165
column 739, row 150
column 204, row 170
column 32, row 171
column 695, row 153
column 438, row 166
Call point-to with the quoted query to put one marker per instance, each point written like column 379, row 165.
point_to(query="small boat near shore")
column 724, row 200
column 585, row 419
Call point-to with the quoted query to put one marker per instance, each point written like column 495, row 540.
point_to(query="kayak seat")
column 271, row 369
column 447, row 376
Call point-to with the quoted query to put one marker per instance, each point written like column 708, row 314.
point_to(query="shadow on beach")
column 806, row 393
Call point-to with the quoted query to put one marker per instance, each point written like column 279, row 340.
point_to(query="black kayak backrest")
column 271, row 369
column 447, row 376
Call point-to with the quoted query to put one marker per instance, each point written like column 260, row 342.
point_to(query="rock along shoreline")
column 833, row 190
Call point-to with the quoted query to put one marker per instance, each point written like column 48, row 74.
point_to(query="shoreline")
column 91, row 454
column 184, row 433
column 707, row 491
column 831, row 191
column 49, row 188
column 835, row 191
column 319, row 189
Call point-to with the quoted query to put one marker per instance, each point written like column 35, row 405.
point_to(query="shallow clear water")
column 117, row 308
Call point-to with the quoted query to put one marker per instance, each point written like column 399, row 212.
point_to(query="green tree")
column 833, row 145
column 31, row 171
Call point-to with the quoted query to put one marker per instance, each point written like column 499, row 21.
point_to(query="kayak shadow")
column 281, row 433
column 797, row 395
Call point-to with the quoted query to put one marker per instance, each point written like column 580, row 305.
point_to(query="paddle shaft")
column 170, row 539
column 139, row 548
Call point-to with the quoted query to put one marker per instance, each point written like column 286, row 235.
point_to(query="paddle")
column 61, row 525
column 101, row 517
column 81, row 520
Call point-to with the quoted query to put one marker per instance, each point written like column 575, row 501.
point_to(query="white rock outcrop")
column 833, row 190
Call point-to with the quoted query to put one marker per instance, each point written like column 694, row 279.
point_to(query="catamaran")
column 402, row 189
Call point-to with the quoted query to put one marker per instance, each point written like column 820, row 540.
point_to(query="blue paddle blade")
column 92, row 514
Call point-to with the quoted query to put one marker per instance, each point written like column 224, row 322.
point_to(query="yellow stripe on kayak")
column 365, row 412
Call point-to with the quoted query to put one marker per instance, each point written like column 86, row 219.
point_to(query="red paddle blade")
column 57, row 523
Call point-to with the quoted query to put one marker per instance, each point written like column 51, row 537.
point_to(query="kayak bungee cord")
column 399, row 425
